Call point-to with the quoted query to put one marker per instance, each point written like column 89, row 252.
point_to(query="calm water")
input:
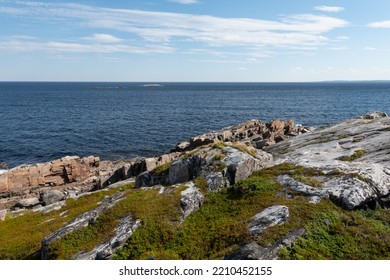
column 44, row 121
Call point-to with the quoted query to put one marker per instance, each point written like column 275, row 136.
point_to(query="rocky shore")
column 347, row 164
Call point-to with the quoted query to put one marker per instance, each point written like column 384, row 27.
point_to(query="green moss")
column 21, row 237
column 158, row 215
column 162, row 168
column 357, row 154
column 219, row 166
column 309, row 180
column 357, row 140
column 340, row 234
column 201, row 184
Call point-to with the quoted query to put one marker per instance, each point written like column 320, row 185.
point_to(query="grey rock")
column 191, row 200
column 357, row 184
column 215, row 181
column 149, row 179
column 254, row 251
column 27, row 202
column 105, row 251
column 271, row 216
column 179, row 172
column 79, row 222
column 3, row 214
column 51, row 197
column 289, row 182
column 241, row 165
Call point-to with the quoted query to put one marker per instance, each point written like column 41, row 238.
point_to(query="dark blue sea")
column 44, row 121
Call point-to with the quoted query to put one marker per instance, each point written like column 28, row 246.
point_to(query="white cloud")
column 342, row 38
column 329, row 9
column 380, row 24
column 241, row 69
column 186, row 2
column 104, row 38
column 370, row 49
column 294, row 31
column 61, row 47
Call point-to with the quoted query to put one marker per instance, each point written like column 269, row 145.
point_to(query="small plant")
column 245, row 149
column 357, row 154
column 201, row 184
column 162, row 168
column 219, row 166
column 219, row 145
column 219, row 156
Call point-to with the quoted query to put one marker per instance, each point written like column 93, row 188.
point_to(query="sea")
column 43, row 121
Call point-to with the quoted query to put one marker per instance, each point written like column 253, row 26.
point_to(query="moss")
column 162, row 168
column 157, row 216
column 357, row 140
column 309, row 180
column 26, row 240
column 201, row 184
column 219, row 166
column 340, row 234
column 357, row 154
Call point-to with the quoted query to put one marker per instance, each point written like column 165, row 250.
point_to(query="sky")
column 195, row 40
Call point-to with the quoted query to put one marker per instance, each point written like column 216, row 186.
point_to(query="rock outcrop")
column 271, row 216
column 353, row 156
column 253, row 251
column 105, row 251
column 3, row 214
column 191, row 200
column 252, row 132
column 79, row 222
column 55, row 173
column 221, row 166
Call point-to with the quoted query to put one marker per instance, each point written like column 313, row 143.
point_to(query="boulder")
column 271, row 216
column 215, row 181
column 179, row 172
column 51, row 197
column 191, row 200
column 27, row 202
column 241, row 165
column 254, row 251
column 3, row 214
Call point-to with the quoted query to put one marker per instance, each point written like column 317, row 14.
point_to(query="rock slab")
column 271, row 216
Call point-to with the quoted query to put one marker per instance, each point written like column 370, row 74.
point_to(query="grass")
column 245, row 149
column 219, row 157
column 219, row 145
column 162, row 168
column 157, row 215
column 357, row 154
column 21, row 237
column 346, row 235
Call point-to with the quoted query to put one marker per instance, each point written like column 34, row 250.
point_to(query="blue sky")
column 195, row 40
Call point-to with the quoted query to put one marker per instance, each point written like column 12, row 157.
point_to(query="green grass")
column 21, row 237
column 219, row 145
column 158, row 216
column 357, row 154
column 219, row 157
column 346, row 235
column 162, row 168
column 245, row 149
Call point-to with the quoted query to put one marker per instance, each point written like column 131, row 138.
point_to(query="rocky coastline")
column 347, row 164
